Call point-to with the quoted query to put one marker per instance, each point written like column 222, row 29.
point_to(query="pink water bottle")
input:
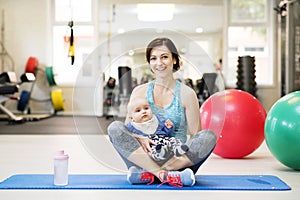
column 61, row 168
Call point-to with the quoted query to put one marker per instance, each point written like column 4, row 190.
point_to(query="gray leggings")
column 200, row 145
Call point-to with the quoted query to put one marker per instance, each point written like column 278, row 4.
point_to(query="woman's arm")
column 190, row 103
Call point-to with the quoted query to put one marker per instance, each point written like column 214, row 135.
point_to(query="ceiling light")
column 199, row 30
column 131, row 52
column 121, row 31
column 155, row 12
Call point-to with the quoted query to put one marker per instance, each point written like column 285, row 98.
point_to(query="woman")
column 172, row 100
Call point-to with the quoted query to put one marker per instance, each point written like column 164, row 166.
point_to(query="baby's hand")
column 168, row 124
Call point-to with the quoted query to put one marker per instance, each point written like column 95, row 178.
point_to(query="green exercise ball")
column 282, row 130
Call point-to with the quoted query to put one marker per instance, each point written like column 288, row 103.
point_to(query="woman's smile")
column 160, row 68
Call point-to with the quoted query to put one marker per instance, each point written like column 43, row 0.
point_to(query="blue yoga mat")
column 119, row 182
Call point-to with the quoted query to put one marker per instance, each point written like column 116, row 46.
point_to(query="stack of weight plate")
column 56, row 95
column 246, row 74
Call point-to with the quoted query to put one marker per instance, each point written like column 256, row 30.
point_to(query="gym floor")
column 24, row 150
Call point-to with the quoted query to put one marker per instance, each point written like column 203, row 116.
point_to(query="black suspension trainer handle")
column 71, row 48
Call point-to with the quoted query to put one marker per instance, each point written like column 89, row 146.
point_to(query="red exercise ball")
column 238, row 120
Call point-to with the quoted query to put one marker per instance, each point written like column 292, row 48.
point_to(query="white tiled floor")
column 33, row 154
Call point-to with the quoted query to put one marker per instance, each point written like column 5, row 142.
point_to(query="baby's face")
column 141, row 113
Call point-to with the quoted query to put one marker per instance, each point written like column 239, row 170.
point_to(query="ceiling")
column 116, row 15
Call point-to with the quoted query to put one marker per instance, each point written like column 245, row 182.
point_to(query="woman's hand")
column 145, row 143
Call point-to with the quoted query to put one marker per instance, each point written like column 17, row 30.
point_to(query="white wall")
column 27, row 31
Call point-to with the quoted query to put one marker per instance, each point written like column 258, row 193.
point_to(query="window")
column 243, row 11
column 80, row 12
column 249, row 34
column 76, row 10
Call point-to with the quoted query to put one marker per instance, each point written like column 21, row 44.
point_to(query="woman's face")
column 161, row 61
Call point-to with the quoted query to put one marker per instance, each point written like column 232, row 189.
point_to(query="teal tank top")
column 175, row 112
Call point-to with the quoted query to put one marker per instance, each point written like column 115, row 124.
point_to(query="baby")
column 144, row 123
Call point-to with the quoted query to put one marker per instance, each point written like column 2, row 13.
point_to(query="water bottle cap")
column 60, row 152
column 60, row 155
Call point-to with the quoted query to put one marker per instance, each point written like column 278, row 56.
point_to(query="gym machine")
column 116, row 97
column 288, row 44
column 8, row 87
column 206, row 86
